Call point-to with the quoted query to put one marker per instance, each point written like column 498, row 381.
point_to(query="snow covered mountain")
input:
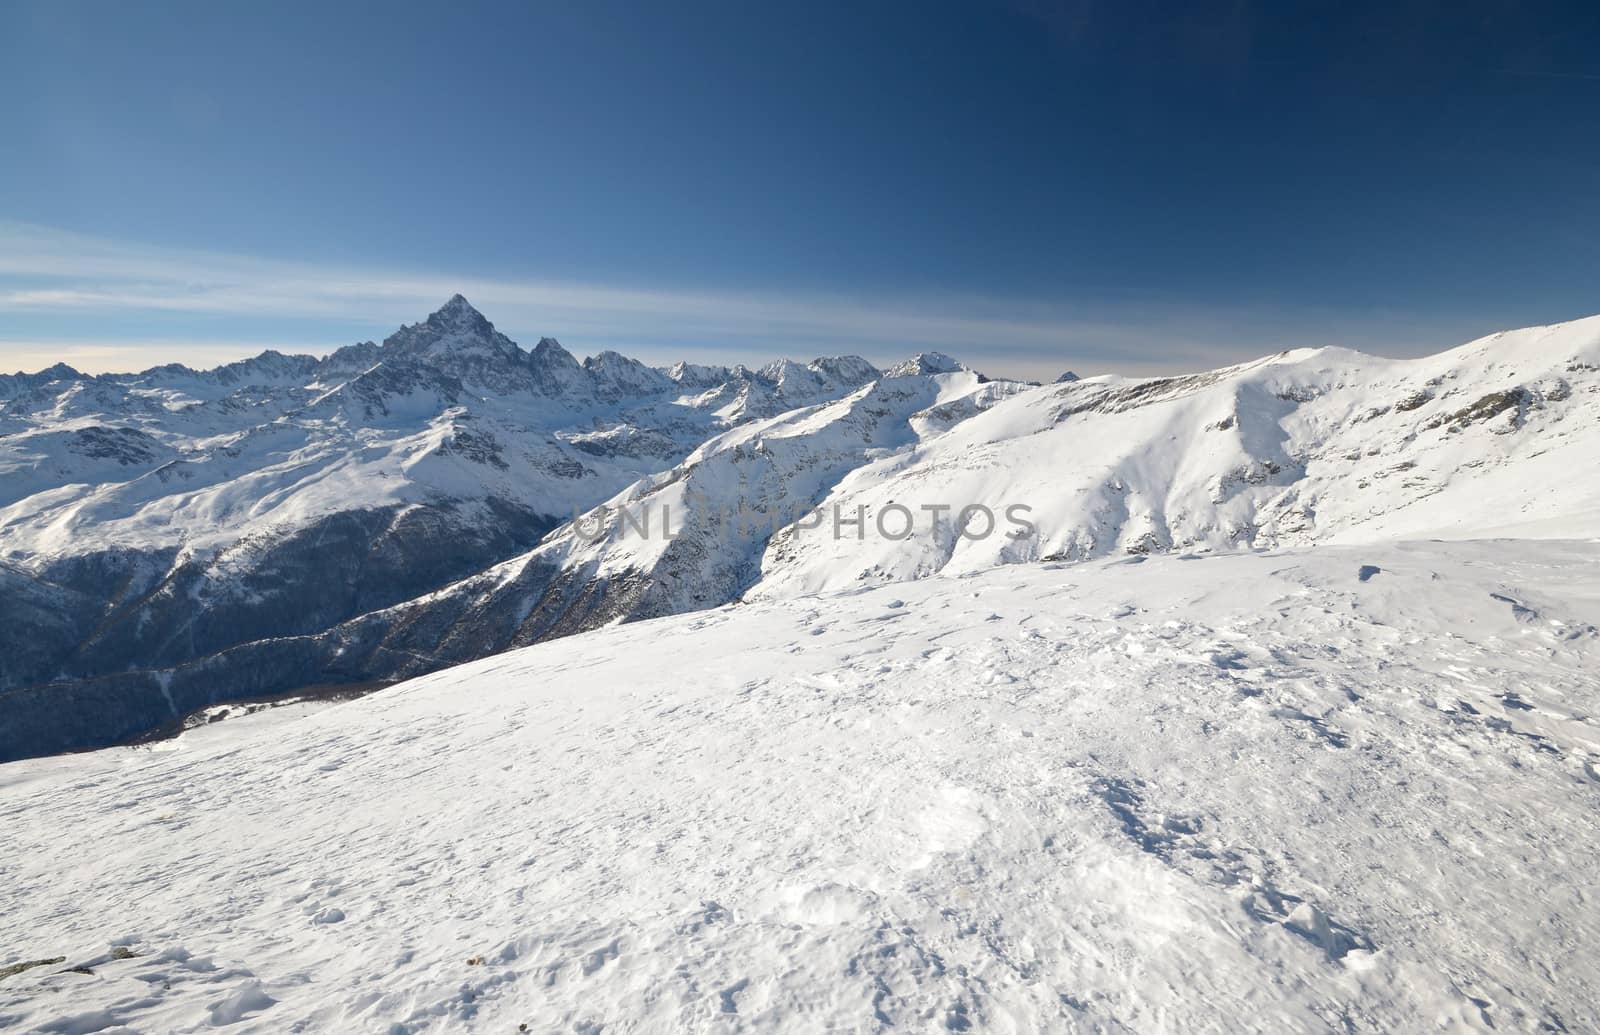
column 1345, row 788
column 1497, row 437
column 150, row 520
column 686, row 539
column 465, row 452
column 775, row 469
column 1214, row 739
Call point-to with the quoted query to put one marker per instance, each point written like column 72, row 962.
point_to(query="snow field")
column 1349, row 788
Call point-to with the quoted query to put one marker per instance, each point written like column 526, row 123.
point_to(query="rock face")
column 172, row 539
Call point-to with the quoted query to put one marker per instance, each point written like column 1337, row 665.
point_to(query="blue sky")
column 1030, row 186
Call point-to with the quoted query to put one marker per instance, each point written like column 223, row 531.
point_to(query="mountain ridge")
column 460, row 542
column 455, row 322
column 279, row 495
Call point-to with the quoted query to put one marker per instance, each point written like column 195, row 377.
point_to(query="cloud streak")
column 97, row 285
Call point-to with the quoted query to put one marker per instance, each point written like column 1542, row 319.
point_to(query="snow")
column 1345, row 787
column 177, row 459
column 275, row 443
column 776, row 469
column 1309, row 446
column 1281, row 718
column 1304, row 447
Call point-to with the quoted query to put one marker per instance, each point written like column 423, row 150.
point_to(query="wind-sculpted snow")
column 1349, row 788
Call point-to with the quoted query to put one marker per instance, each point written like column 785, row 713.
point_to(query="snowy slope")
column 1347, row 788
column 1500, row 436
column 692, row 537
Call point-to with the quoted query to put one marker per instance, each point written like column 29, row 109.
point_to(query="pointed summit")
column 557, row 373
column 459, row 315
column 458, row 341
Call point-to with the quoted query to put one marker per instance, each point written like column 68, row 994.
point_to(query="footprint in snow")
column 1232, row 660
column 1367, row 571
column 730, row 995
column 1329, row 735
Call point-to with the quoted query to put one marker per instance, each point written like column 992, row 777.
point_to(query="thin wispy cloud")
column 93, row 286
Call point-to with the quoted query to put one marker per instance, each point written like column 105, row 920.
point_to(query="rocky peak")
column 925, row 363
column 615, row 375
column 783, row 371
column 697, row 375
column 550, row 353
column 556, row 372
column 459, row 316
column 455, row 333
column 20, row 383
column 845, row 370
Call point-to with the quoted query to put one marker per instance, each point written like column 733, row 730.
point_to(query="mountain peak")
column 926, row 363
column 698, row 375
column 451, row 322
column 845, row 369
column 557, row 372
column 459, row 314
column 459, row 341
column 615, row 375
column 61, row 372
column 551, row 350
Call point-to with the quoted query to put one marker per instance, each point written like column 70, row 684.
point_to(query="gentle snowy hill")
column 1347, row 788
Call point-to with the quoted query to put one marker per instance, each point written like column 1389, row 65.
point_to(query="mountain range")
column 176, row 538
